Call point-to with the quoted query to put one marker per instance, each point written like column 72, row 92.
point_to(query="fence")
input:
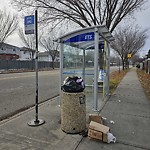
column 18, row 64
column 145, row 65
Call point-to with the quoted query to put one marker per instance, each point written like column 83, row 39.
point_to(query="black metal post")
column 36, row 66
column 119, row 65
column 36, row 121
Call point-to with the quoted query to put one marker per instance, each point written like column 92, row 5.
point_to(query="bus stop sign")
column 29, row 24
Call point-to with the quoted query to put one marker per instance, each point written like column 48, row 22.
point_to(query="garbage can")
column 73, row 112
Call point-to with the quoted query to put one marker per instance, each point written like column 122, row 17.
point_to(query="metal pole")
column 119, row 65
column 108, row 67
column 36, row 66
column 61, row 70
column 96, row 70
column 36, row 121
column 104, row 70
column 83, row 74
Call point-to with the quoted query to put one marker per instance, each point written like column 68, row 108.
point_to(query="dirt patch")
column 115, row 79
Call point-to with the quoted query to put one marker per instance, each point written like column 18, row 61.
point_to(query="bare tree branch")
column 47, row 42
column 128, row 40
column 28, row 40
column 83, row 12
column 8, row 24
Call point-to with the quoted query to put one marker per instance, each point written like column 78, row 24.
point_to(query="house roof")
column 26, row 49
column 46, row 53
column 7, row 45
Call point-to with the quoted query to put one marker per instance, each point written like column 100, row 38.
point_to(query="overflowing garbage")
column 99, row 131
column 111, row 138
column 96, row 129
column 73, row 85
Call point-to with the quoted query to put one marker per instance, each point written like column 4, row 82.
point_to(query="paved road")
column 128, row 107
column 17, row 90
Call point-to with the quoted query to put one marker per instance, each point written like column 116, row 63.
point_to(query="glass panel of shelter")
column 74, row 61
column 80, row 62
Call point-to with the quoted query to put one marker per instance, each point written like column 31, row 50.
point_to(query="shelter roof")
column 84, row 38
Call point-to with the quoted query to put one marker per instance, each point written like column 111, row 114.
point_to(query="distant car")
column 138, row 65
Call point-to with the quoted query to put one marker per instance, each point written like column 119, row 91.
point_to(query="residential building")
column 9, row 52
column 27, row 53
column 45, row 56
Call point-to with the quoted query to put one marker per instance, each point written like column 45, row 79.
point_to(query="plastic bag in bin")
column 73, row 85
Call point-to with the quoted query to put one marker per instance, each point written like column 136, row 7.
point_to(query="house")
column 9, row 52
column 27, row 53
column 46, row 56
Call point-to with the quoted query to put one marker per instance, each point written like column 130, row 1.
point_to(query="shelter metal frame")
column 84, row 39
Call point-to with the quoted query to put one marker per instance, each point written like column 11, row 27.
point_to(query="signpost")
column 129, row 55
column 29, row 24
column 82, row 37
column 32, row 28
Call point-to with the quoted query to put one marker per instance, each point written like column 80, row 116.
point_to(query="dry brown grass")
column 145, row 81
column 115, row 78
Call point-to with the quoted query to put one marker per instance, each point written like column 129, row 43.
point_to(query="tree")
column 82, row 12
column 148, row 54
column 113, row 60
column 89, row 55
column 28, row 40
column 8, row 25
column 128, row 40
column 48, row 43
column 136, row 58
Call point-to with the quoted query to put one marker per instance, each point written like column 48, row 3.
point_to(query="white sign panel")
column 29, row 24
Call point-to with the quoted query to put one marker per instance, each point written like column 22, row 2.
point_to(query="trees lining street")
column 85, row 13
column 128, row 40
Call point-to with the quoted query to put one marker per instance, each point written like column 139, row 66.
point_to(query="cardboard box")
column 96, row 118
column 98, row 131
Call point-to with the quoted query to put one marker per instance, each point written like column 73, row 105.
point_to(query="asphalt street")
column 17, row 90
column 127, row 107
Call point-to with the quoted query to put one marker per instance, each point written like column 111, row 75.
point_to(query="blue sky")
column 141, row 18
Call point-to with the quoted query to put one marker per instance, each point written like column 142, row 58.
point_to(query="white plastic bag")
column 111, row 138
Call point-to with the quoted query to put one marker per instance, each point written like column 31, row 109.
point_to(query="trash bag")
column 111, row 138
column 73, row 85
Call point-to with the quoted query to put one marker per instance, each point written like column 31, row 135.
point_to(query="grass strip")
column 115, row 79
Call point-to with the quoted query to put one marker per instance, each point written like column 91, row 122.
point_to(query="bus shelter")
column 75, row 48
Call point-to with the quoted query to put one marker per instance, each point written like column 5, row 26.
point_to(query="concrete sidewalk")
column 128, row 107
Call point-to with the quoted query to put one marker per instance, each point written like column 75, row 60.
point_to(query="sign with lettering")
column 82, row 37
column 129, row 55
column 29, row 24
column 102, row 74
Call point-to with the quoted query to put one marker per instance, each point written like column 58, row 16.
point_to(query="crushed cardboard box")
column 98, row 131
column 96, row 118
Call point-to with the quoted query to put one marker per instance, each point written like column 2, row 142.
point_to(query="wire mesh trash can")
column 73, row 112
